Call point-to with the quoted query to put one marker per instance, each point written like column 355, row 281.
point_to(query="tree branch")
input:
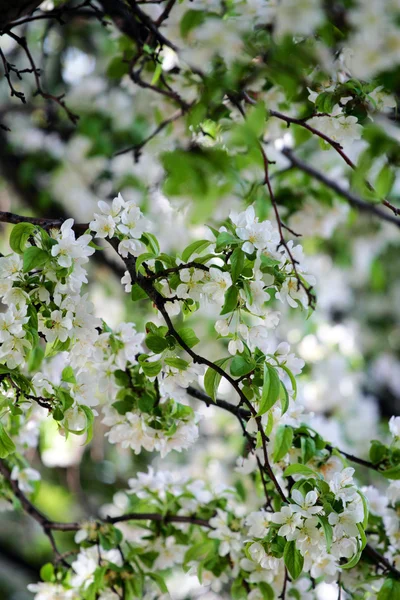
column 348, row 195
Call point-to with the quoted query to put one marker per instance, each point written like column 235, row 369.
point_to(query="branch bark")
column 348, row 195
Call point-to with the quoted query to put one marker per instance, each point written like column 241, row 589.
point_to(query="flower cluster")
column 314, row 516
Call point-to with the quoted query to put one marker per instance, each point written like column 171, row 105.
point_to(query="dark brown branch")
column 85, row 9
column 159, row 301
column 48, row 525
column 7, row 74
column 153, row 27
column 348, row 195
column 21, row 41
column 335, row 145
column 193, row 520
column 238, row 412
column 7, row 217
column 165, row 272
column 377, row 558
column 29, row 508
column 136, row 149
column 355, row 459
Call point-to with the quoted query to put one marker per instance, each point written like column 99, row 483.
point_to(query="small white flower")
column 306, row 505
column 288, row 519
column 103, row 225
column 394, row 426
column 24, row 477
column 235, row 346
column 218, row 284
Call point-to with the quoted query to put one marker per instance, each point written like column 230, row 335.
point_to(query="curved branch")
column 159, row 302
column 348, row 195
column 48, row 525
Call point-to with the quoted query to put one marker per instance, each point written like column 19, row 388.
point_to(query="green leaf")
column 123, row 406
column 308, row 448
column 390, row 590
column 377, row 452
column 238, row 590
column 226, row 239
column 191, row 18
column 237, row 263
column 20, row 235
column 199, row 552
column 157, row 73
column 47, row 572
column 392, row 473
column 7, row 446
column 284, row 396
column 34, row 258
column 384, row 181
column 188, row 336
column 241, row 365
column 283, row 442
column 159, row 581
column 266, row 590
column 293, row 560
column 292, row 380
column 256, row 118
column 365, row 507
column 150, row 368
column 137, row 293
column 328, row 531
column 231, row 300
column 117, row 68
column 155, row 343
column 142, row 258
column 68, row 375
column 270, row 389
column 212, row 378
column 146, row 403
column 352, row 562
column 151, row 242
column 196, row 247
column 122, row 378
column 198, row 173
column 177, row 363
column 362, row 535
column 299, row 469
column 89, row 421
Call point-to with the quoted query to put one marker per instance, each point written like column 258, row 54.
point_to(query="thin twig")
column 136, row 149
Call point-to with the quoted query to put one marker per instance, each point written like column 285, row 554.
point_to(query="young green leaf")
column 241, row 365
column 237, row 263
column 34, row 258
column 188, row 336
column 328, row 531
column 68, row 375
column 137, row 293
column 7, row 446
column 283, row 442
column 294, row 561
column 156, row 343
column 270, row 390
column 142, row 258
column 390, row 590
column 177, row 363
column 212, row 378
column 196, row 247
column 231, row 300
column 298, row 469
column 20, row 235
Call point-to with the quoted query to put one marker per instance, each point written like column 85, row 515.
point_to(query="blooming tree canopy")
column 199, row 336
